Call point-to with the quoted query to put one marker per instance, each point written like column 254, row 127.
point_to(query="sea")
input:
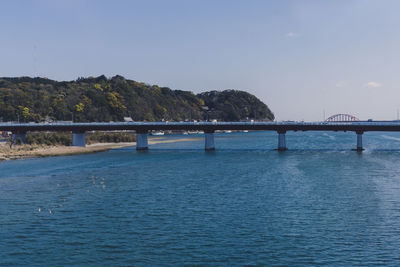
column 245, row 204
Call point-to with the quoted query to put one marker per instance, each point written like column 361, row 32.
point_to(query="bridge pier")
column 18, row 135
column 79, row 139
column 142, row 141
column 209, row 141
column 359, row 141
column 282, row 141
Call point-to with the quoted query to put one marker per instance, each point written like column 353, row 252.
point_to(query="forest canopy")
column 97, row 99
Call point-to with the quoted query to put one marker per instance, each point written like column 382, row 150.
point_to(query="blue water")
column 319, row 203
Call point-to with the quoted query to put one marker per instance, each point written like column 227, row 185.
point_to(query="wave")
column 330, row 136
column 390, row 137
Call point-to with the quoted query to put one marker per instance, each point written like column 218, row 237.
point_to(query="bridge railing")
column 283, row 123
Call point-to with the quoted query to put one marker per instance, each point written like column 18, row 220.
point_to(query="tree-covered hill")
column 102, row 99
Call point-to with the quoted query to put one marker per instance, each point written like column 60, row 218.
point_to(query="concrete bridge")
column 142, row 129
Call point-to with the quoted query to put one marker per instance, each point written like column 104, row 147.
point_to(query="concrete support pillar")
column 79, row 139
column 209, row 141
column 16, row 136
column 359, row 141
column 282, row 141
column 141, row 141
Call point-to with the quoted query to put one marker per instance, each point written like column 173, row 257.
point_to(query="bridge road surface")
column 361, row 126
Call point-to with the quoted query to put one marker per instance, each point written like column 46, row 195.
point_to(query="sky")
column 303, row 58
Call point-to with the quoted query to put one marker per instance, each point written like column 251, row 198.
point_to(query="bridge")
column 342, row 117
column 142, row 129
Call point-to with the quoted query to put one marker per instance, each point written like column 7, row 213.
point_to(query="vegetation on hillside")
column 27, row 99
column 65, row 138
column 233, row 105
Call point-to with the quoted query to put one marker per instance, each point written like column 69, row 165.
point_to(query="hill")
column 101, row 99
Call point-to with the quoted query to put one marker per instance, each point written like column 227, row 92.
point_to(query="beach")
column 39, row 151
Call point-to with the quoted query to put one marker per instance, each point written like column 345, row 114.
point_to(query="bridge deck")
column 204, row 126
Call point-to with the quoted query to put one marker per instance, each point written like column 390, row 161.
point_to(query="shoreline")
column 41, row 151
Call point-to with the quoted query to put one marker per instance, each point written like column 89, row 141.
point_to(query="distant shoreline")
column 37, row 151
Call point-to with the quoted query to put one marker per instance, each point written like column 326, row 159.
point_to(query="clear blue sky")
column 299, row 57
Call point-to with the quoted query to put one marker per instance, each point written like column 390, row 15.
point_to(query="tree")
column 102, row 99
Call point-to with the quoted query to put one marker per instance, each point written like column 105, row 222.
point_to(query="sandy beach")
column 37, row 151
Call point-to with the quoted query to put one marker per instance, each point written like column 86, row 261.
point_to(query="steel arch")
column 342, row 117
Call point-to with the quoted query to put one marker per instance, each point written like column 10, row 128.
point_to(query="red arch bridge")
column 142, row 129
column 341, row 118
